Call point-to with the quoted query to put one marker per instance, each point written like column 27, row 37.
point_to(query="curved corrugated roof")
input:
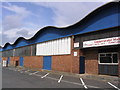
column 101, row 18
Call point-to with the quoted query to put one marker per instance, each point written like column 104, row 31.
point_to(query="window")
column 108, row 58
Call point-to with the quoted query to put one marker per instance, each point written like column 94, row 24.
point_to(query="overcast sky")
column 24, row 19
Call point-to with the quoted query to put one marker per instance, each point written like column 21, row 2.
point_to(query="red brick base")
column 13, row 61
column 33, row 61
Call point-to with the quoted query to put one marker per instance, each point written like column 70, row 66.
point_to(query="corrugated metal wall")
column 26, row 51
column 8, row 53
column 55, row 47
column 22, row 51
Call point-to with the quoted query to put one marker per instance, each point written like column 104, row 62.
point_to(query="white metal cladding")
column 54, row 47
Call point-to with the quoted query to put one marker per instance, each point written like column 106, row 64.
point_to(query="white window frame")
column 112, row 61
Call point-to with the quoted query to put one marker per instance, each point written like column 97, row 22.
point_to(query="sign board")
column 102, row 42
column 76, row 44
column 75, row 53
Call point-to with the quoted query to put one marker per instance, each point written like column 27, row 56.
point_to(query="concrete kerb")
column 88, row 76
column 101, row 77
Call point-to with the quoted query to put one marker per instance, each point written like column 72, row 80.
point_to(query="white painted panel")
column 63, row 48
column 48, row 49
column 60, row 46
column 65, row 45
column 54, row 47
column 43, row 47
column 69, row 45
column 57, row 47
column 37, row 50
column 49, row 46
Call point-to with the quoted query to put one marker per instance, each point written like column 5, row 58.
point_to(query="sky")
column 24, row 19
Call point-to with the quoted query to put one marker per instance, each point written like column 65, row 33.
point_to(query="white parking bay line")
column 27, row 71
column 18, row 70
column 60, row 79
column 34, row 73
column 10, row 69
column 45, row 75
column 21, row 72
column 113, row 85
column 83, row 83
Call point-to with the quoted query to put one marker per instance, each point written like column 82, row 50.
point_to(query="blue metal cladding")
column 21, row 43
column 7, row 47
column 21, row 61
column 82, row 65
column 47, row 62
column 102, row 18
column 8, row 60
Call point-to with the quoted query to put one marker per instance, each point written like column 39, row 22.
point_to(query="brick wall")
column 33, row 62
column 91, row 61
column 66, row 63
column 76, row 61
column 4, row 58
column 13, row 60
column 61, row 63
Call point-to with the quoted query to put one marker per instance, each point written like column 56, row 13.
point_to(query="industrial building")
column 91, row 46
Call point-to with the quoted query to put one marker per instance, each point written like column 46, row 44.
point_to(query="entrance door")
column 0, row 60
column 16, row 63
column 8, row 61
column 82, row 65
column 21, row 61
column 47, row 62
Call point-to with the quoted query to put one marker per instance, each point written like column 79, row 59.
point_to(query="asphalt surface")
column 24, row 78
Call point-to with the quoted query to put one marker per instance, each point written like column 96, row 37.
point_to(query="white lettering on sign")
column 102, row 42
column 76, row 44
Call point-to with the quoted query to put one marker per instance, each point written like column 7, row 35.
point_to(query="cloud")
column 12, row 34
column 13, row 25
column 12, row 21
column 67, row 13
column 17, row 9
column 15, row 20
column 58, row 0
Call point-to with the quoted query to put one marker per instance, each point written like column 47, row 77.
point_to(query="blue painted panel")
column 8, row 60
column 47, row 62
column 82, row 65
column 21, row 61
